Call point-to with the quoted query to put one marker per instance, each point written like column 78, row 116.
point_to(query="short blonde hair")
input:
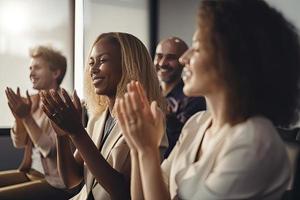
column 54, row 58
column 136, row 65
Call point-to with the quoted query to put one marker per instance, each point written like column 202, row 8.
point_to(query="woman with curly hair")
column 245, row 61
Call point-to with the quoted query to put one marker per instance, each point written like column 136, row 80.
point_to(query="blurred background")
column 71, row 26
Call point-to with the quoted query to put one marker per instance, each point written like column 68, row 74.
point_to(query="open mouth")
column 186, row 74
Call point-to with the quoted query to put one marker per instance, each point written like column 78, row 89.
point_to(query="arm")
column 22, row 110
column 109, row 178
column 68, row 119
column 136, row 190
column 70, row 167
column 153, row 183
column 19, row 134
column 142, row 126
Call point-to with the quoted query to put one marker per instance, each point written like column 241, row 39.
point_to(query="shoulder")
column 259, row 139
column 194, row 123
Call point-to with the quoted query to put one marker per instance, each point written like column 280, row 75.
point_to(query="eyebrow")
column 101, row 54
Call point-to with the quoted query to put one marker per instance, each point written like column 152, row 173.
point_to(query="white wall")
column 178, row 17
column 100, row 16
column 24, row 24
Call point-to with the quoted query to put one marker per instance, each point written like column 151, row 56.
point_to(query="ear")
column 56, row 73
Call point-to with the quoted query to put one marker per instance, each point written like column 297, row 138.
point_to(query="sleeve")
column 20, row 137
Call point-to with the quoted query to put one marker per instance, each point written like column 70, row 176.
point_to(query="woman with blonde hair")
column 245, row 61
column 114, row 60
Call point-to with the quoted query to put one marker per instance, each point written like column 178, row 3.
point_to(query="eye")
column 91, row 63
column 102, row 60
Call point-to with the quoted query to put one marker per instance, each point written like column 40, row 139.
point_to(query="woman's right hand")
column 64, row 112
column 141, row 123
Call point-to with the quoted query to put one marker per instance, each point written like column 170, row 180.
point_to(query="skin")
column 145, row 133
column 167, row 64
column 105, row 71
column 42, row 79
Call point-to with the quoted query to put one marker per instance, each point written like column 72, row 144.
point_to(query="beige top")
column 46, row 145
column 115, row 150
column 245, row 161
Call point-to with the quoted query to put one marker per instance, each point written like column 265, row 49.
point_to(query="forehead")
column 105, row 47
column 38, row 61
column 170, row 46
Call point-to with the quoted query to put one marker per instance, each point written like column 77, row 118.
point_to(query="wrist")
column 77, row 133
column 148, row 153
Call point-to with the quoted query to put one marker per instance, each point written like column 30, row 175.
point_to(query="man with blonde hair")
column 37, row 176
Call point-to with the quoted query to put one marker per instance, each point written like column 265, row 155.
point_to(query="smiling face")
column 41, row 76
column 105, row 67
column 199, row 74
column 166, row 61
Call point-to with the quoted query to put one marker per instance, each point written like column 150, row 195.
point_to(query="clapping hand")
column 20, row 107
column 141, row 122
column 64, row 112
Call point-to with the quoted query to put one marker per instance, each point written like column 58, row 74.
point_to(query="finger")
column 12, row 110
column 156, row 111
column 10, row 99
column 122, row 123
column 76, row 101
column 142, row 94
column 58, row 100
column 12, row 96
column 28, row 98
column 124, row 113
column 18, row 92
column 131, row 114
column 68, row 99
column 49, row 102
column 47, row 112
column 120, row 116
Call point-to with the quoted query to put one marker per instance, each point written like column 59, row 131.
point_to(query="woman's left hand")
column 65, row 113
column 142, row 123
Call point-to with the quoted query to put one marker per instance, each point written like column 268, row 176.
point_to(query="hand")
column 20, row 107
column 64, row 112
column 141, row 123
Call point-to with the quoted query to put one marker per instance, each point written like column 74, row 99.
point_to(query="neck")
column 168, row 87
column 111, row 103
column 217, row 106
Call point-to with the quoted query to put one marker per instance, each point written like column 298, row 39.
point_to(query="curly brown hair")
column 258, row 55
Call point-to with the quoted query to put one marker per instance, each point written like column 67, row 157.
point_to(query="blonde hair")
column 136, row 65
column 54, row 58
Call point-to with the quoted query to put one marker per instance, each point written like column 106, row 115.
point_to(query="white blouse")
column 245, row 161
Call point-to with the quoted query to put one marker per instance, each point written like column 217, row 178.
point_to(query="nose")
column 94, row 69
column 162, row 61
column 185, row 58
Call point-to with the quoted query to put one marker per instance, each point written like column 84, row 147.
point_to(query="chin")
column 190, row 91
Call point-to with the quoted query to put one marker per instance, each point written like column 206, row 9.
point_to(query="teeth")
column 185, row 74
column 163, row 70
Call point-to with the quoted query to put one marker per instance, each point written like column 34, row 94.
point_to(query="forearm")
column 151, row 175
column 19, row 134
column 69, row 169
column 109, row 178
column 136, row 183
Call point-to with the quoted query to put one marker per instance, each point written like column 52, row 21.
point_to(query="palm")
column 19, row 106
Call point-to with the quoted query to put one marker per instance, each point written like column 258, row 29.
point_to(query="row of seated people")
column 230, row 151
